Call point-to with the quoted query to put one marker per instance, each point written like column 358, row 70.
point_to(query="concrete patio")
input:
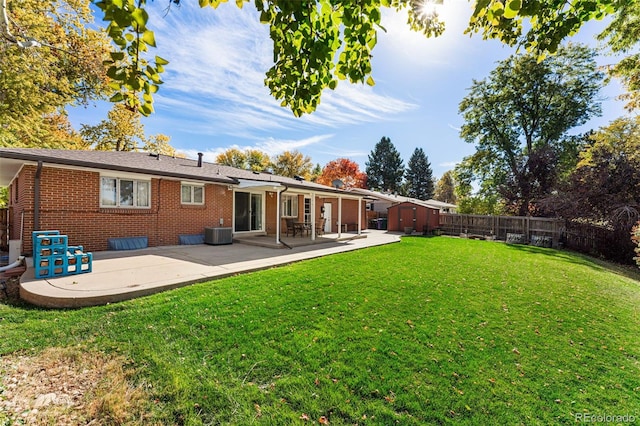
column 123, row 275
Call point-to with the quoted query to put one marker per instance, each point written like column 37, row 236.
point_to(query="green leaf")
column 161, row 61
column 117, row 56
column 146, row 109
column 265, row 17
column 512, row 9
column 149, row 38
column 116, row 98
column 140, row 16
column 112, row 73
column 370, row 81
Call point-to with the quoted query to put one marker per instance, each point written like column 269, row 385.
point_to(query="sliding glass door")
column 247, row 212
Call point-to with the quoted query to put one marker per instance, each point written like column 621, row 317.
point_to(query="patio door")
column 327, row 216
column 247, row 212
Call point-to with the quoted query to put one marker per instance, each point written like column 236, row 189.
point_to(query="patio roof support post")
column 313, row 216
column 339, row 216
column 278, row 220
column 36, row 198
column 359, row 216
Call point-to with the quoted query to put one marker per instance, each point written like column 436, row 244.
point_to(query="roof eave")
column 113, row 167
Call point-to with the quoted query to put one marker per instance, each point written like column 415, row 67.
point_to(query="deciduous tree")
column 445, row 188
column 604, row 188
column 292, row 164
column 315, row 44
column 250, row 159
column 385, row 168
column 345, row 170
column 622, row 37
column 319, row 42
column 257, row 160
column 519, row 118
column 159, row 144
column 233, row 157
column 62, row 67
column 123, row 131
column 605, row 185
column 419, row 176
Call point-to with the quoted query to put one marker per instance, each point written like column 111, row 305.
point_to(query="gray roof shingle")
column 146, row 163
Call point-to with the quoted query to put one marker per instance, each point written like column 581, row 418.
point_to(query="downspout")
column 279, row 219
column 36, row 198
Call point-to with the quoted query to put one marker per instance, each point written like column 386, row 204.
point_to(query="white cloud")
column 270, row 146
column 215, row 78
column 449, row 164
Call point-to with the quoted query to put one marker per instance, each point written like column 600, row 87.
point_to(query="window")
column 116, row 192
column 307, row 210
column 289, row 206
column 192, row 194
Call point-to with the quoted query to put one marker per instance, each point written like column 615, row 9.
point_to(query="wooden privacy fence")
column 612, row 244
column 498, row 227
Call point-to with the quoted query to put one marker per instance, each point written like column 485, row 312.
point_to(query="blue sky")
column 214, row 96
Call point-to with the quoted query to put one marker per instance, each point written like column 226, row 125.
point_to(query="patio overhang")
column 257, row 184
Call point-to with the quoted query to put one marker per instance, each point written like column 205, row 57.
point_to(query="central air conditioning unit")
column 217, row 236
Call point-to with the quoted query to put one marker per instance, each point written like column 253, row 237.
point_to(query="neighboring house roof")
column 394, row 199
column 11, row 159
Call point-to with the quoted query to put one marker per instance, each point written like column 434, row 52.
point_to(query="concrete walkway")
column 123, row 275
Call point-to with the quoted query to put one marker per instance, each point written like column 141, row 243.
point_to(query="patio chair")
column 290, row 227
column 320, row 226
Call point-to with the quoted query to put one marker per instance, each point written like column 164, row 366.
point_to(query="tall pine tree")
column 385, row 168
column 419, row 176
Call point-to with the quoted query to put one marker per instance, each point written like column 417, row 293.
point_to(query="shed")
column 414, row 214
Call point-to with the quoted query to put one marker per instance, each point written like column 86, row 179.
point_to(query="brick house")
column 94, row 196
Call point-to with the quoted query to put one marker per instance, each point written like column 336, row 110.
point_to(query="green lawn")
column 430, row 330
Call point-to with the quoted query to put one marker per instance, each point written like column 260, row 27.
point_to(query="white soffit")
column 245, row 183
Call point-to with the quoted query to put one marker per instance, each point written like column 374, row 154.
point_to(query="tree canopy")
column 316, row 43
column 345, row 170
column 64, row 67
column 604, row 187
column 419, row 176
column 123, row 131
column 292, row 164
column 250, row 159
column 519, row 117
column 445, row 189
column 385, row 168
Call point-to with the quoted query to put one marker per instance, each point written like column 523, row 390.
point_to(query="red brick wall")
column 349, row 212
column 70, row 203
column 271, row 206
column 21, row 209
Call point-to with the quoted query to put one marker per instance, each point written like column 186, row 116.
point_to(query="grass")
column 430, row 330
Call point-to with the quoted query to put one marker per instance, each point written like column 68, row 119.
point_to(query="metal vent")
column 217, row 236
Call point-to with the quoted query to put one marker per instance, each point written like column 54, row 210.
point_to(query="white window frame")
column 135, row 202
column 192, row 187
column 289, row 205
